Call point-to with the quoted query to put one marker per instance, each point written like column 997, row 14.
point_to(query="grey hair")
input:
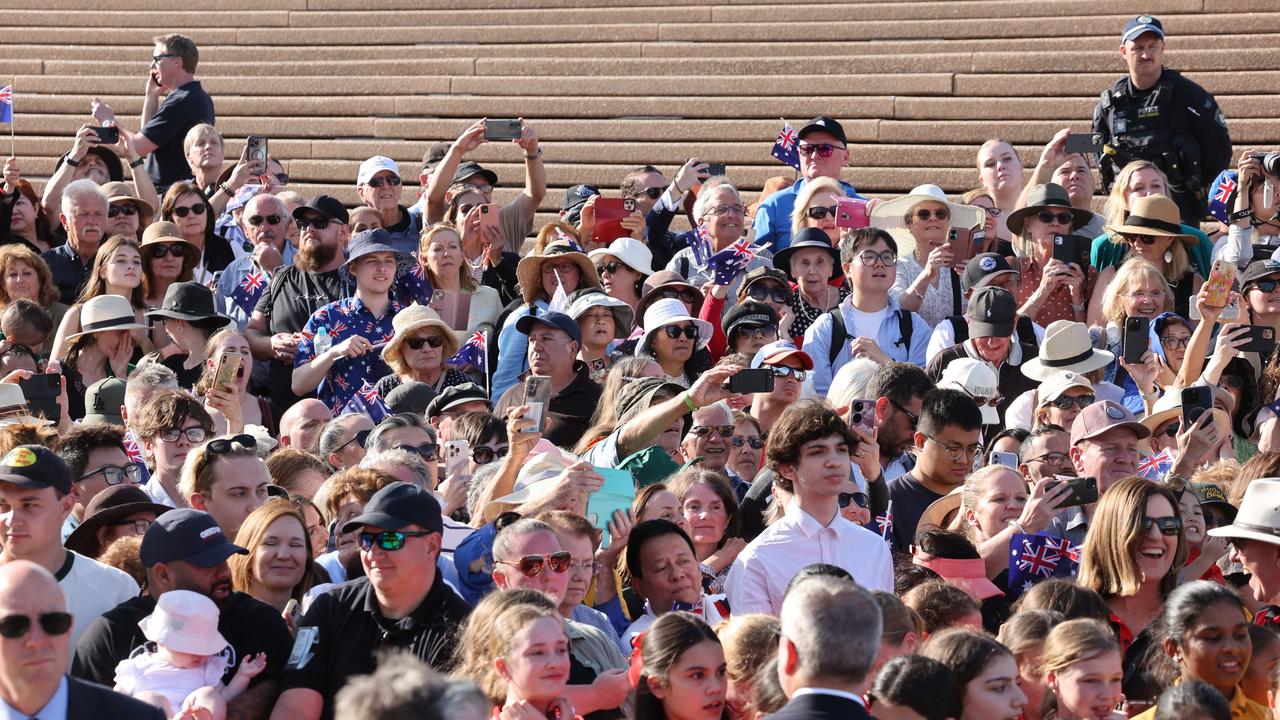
column 710, row 189
column 81, row 192
column 835, row 626
column 388, row 460
column 279, row 204
column 481, row 480
column 393, row 422
column 506, row 540
column 331, row 437
column 150, row 378
column 852, row 382
column 405, row 687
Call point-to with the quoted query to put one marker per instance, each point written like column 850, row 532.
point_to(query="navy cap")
column 1139, row 25
column 35, row 467
column 981, row 268
column 822, row 123
column 326, row 206
column 366, row 242
column 187, row 535
column 557, row 320
column 397, row 506
column 455, row 395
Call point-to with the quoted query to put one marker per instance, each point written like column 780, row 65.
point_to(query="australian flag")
column 6, row 104
column 786, row 148
column 700, row 244
column 250, row 288
column 1033, row 558
column 471, row 353
column 366, row 401
column 1156, row 467
column 565, row 238
column 733, row 260
column 411, row 285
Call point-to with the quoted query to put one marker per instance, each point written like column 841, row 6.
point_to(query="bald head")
column 301, row 424
column 25, row 581
column 32, row 665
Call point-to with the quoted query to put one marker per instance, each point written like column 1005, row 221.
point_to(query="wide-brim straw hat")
column 1154, row 215
column 1259, row 515
column 413, row 318
column 936, row 513
column 14, row 407
column 1049, row 196
column 669, row 311
column 529, row 271
column 1169, row 407
column 891, row 215
column 163, row 231
column 1066, row 346
column 105, row 313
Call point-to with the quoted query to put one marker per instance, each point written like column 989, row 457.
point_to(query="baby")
column 183, row 674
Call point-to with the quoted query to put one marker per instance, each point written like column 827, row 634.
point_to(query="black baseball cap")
column 748, row 313
column 434, row 155
column 188, row 535
column 36, row 467
column 467, row 168
column 397, row 506
column 557, row 320
column 822, row 123
column 981, row 268
column 1257, row 271
column 575, row 196
column 991, row 312
column 455, row 395
column 326, row 206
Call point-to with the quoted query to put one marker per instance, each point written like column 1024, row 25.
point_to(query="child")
column 185, row 669
column 1203, row 552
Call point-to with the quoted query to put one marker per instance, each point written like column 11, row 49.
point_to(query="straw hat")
column 120, row 191
column 1154, row 215
column 936, row 513
column 416, row 317
column 104, row 313
column 891, row 215
column 1047, row 197
column 529, row 271
column 1169, row 407
column 14, row 408
column 670, row 311
column 162, row 231
column 1066, row 346
column 1259, row 515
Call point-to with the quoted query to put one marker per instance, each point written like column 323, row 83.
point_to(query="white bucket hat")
column 630, row 252
column 184, row 621
column 891, row 215
column 623, row 315
column 669, row 311
column 1066, row 346
column 978, row 380
column 14, row 408
column 1259, row 515
column 105, row 313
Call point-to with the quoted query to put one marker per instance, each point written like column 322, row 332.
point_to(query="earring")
column 1168, row 256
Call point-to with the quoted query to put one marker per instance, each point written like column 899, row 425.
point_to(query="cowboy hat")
column 1153, row 215
column 1259, row 515
column 529, row 271
column 892, row 215
column 1041, row 197
column 415, row 317
column 105, row 313
column 111, row 505
column 1066, row 346
column 669, row 311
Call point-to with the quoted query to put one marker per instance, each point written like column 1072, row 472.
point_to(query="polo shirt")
column 289, row 302
column 69, row 271
column 570, row 410
column 184, row 108
column 349, row 630
column 347, row 318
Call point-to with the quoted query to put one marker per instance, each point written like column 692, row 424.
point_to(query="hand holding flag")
column 246, row 294
column 732, row 261
column 786, row 148
column 701, row 245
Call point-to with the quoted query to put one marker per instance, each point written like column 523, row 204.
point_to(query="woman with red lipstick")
column 684, row 673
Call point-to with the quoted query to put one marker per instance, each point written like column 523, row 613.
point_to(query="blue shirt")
column 817, row 342
column 773, row 217
column 55, row 709
column 513, row 350
column 69, row 271
column 346, row 318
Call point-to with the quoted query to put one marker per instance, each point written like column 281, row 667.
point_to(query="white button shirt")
column 765, row 566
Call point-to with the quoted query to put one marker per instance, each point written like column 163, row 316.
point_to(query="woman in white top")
column 463, row 303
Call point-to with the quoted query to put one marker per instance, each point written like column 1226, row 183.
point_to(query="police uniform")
column 1175, row 124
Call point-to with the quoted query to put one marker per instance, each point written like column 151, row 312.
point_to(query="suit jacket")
column 820, row 706
column 88, row 700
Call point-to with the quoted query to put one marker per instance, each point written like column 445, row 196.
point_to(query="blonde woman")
column 1138, row 290
column 816, row 208
column 995, row 504
column 463, row 303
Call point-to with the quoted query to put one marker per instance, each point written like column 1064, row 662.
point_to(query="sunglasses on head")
column 858, row 498
column 761, row 292
column 755, row 442
column 531, row 566
column 174, row 249
column 653, row 193
column 925, row 214
column 609, row 267
column 1046, row 217
column 359, row 438
column 319, row 223
column 705, row 430
column 1169, row 524
column 52, row 623
column 426, row 451
column 818, row 212
column 184, row 210
column 483, row 454
column 390, row 540
column 416, row 343
column 257, row 220
column 225, row 445
column 822, row 149
column 674, row 331
column 378, row 182
column 1064, row 402
column 127, row 209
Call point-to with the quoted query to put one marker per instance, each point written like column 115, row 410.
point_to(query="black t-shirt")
column 249, row 625
column 908, row 500
column 570, row 410
column 349, row 629
column 187, row 377
column 183, row 109
column 290, row 300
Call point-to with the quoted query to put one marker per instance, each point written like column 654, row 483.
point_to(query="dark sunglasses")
column 157, row 58
column 162, row 249
column 116, row 474
column 765, row 332
column 685, row 296
column 1169, row 524
column 224, row 445
column 818, row 212
column 784, row 371
column 1047, row 217
column 183, row 211
column 319, row 223
column 674, row 331
column 1267, row 286
column 257, row 220
column 725, row 431
column 654, row 192
column 1064, row 402
column 1172, row 430
column 925, row 214
column 1232, row 382
column 483, row 454
column 822, row 149
column 390, row 540
column 1144, row 239
column 426, row 451
column 760, row 293
column 416, row 343
column 609, row 267
column 52, row 623
column 531, row 566
column 754, row 442
column 282, row 178
column 128, row 210
column 858, row 498
column 914, row 418
column 360, row 438
column 391, row 180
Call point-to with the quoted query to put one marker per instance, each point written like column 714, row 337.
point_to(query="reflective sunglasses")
column 193, row 434
column 127, row 209
column 52, row 623
column 531, row 566
column 925, row 214
column 426, row 451
column 1064, row 402
column 761, row 292
column 1144, row 239
column 983, row 399
column 818, row 212
column 725, row 431
column 1046, row 217
column 116, row 474
column 390, row 540
column 416, row 343
column 258, row 220
column 858, row 498
column 871, row 258
column 319, row 223
column 378, row 182
column 1175, row 343
column 609, row 267
column 783, row 371
column 654, row 193
column 765, row 332
column 755, row 442
column 1169, row 524
column 222, row 446
column 183, row 210
column 822, row 149
column 360, row 437
column 162, row 249
column 674, row 331
column 483, row 454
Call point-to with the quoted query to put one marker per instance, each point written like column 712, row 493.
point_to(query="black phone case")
column 1262, row 340
column 1196, row 401
column 752, row 380
column 1136, row 340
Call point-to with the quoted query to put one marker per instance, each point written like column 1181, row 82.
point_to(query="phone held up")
column 505, row 129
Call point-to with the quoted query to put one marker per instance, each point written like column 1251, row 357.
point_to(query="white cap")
column 375, row 165
column 976, row 379
column 1060, row 382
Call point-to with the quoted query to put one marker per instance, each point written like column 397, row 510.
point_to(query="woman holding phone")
column 1050, row 289
column 224, row 385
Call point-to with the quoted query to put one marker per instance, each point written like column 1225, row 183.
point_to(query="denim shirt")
column 817, row 342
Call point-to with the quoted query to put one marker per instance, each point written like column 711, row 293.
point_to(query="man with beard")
column 84, row 215
column 185, row 550
column 267, row 237
column 297, row 291
column 898, row 390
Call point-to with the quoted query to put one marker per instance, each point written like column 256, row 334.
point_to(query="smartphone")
column 1084, row 490
column 1084, row 143
column 862, row 415
column 456, row 455
column 715, row 169
column 291, row 609
column 1136, row 340
column 751, row 380
column 41, row 393
column 537, row 395
column 257, row 149
column 1218, row 287
column 488, row 215
column 228, row 366
column 1064, row 249
column 852, row 213
column 964, row 244
column 609, row 215
column 1007, row 459
column 108, row 135
column 1196, row 401
column 502, row 129
column 1262, row 340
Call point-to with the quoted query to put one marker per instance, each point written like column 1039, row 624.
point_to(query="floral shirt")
column 345, row 318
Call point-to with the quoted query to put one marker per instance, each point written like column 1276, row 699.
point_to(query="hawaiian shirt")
column 345, row 318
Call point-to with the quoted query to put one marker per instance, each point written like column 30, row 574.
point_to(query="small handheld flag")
column 472, row 353
column 560, row 299
column 1034, row 558
column 250, row 288
column 6, row 104
column 701, row 245
column 567, row 239
column 732, row 261
column 786, row 147
column 1156, row 467
column 366, row 401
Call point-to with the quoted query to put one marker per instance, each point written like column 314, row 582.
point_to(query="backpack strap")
column 905, row 328
column 1026, row 333
column 956, row 308
column 839, row 334
column 959, row 329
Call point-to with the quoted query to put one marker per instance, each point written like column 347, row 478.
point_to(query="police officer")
column 1157, row 114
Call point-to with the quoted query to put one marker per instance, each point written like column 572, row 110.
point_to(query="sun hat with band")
column 192, row 302
column 892, row 215
column 581, row 302
column 117, row 191
column 186, row 622
column 1153, row 215
column 105, row 313
column 529, row 271
column 629, row 251
column 14, row 407
column 667, row 284
column 666, row 312
column 1259, row 515
column 1066, row 346
column 411, row 319
column 1049, row 197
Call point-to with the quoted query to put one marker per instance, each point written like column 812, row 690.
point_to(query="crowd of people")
column 988, row 456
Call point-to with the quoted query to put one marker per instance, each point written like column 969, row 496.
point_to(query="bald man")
column 35, row 644
column 301, row 424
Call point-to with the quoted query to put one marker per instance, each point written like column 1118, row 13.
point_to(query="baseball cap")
column 982, row 268
column 455, row 395
column 414, row 397
column 35, row 467
column 1209, row 493
column 397, row 506
column 822, row 123
column 375, row 165
column 1059, row 382
column 991, row 312
column 1139, row 25
column 102, row 401
column 1103, row 416
column 557, row 320
column 749, row 313
column 326, row 206
column 188, row 535
column 778, row 351
column 434, row 155
column 1257, row 271
column 977, row 379
column 467, row 168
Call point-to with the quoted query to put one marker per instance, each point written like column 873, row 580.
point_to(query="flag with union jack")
column 732, row 261
column 1156, row 467
column 472, row 353
column 249, row 289
column 700, row 244
column 133, row 452
column 884, row 524
column 787, row 146
column 366, row 401
column 411, row 285
column 1225, row 189
column 565, row 238
column 1035, row 558
column 6, row 104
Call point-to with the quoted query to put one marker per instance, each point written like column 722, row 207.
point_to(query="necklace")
column 820, row 303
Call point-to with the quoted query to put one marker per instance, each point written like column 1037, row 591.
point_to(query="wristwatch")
column 137, row 163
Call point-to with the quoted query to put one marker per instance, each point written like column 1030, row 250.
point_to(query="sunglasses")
column 783, row 371
column 183, row 210
column 609, row 267
column 52, row 623
column 426, row 451
column 1169, row 524
column 1063, row 402
column 391, row 180
column 820, row 213
column 925, row 214
column 116, row 474
column 871, row 258
column 483, row 454
column 1144, row 239
column 822, row 149
column 725, row 431
column 174, row 249
column 416, row 343
column 360, row 438
column 764, row 332
column 257, row 220
column 914, row 418
column 222, row 446
column 984, row 400
column 281, row 178
column 674, row 331
column 193, row 434
column 1175, row 343
column 317, row 223
column 760, row 292
column 1172, row 430
column 653, row 193
column 755, row 442
column 1267, row 286
column 390, row 540
column 531, row 566
column 157, row 58
column 1232, row 382
column 685, row 296
column 1047, row 217
column 128, row 210
column 858, row 498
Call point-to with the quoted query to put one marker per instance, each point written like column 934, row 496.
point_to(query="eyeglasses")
column 378, row 182
column 958, row 453
column 725, row 431
column 1267, row 286
column 1169, row 524
column 318, row 223
column 1051, row 458
column 1046, row 217
column 982, row 399
column 1175, row 343
column 925, row 214
column 416, row 343
column 483, row 454
column 221, row 446
column 823, row 149
column 1158, row 295
column 684, row 296
column 609, row 267
column 360, row 438
column 531, row 566
column 871, row 258
column 858, row 498
column 992, row 211
column 587, row 566
column 426, row 451
column 162, row 249
column 185, row 210
column 761, row 292
column 755, row 442
column 257, row 220
column 116, row 474
column 765, row 332
column 52, row 623
column 914, row 418
column 674, row 331
column 1143, row 239
column 127, row 209
column 563, row 268
column 390, row 540
column 1172, row 430
column 139, row 526
column 654, row 193
column 784, row 371
column 193, row 434
column 818, row 212
column 155, row 59
column 1065, row 402
column 727, row 210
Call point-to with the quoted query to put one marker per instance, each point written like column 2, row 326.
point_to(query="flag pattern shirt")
column 346, row 318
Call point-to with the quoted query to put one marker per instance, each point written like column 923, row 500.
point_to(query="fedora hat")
column 1153, row 215
column 14, row 408
column 1259, row 515
column 1047, row 196
column 415, row 317
column 657, row 285
column 120, row 191
column 111, row 505
column 669, row 311
column 529, row 271
column 104, row 313
column 162, row 231
column 630, row 252
column 891, row 215
column 807, row 238
column 192, row 302
column 1066, row 346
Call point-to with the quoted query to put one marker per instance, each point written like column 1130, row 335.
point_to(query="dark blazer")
column 87, row 700
column 820, row 706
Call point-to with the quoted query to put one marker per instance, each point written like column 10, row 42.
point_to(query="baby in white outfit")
column 183, row 675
